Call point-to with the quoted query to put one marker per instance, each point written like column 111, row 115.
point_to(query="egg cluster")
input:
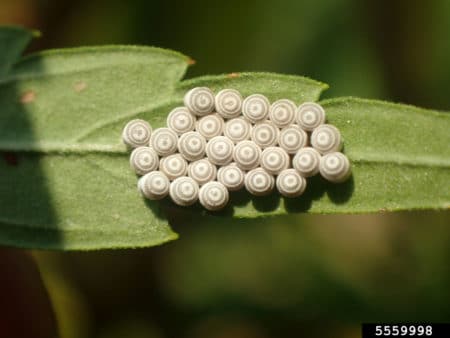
column 220, row 143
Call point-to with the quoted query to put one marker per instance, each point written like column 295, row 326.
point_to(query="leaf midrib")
column 56, row 148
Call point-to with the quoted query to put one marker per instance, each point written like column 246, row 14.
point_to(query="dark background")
column 310, row 276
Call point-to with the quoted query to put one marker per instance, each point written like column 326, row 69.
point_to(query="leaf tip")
column 325, row 86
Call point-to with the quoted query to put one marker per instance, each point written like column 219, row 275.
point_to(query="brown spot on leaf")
column 10, row 158
column 80, row 86
column 191, row 62
column 28, row 97
column 233, row 75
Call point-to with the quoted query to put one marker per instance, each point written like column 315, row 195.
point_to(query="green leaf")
column 62, row 191
column 83, row 88
column 400, row 155
column 13, row 41
column 400, row 161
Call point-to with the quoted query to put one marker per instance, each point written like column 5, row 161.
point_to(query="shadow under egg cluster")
column 219, row 143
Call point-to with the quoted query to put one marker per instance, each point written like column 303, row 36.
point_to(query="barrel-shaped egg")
column 220, row 150
column 143, row 160
column 306, row 162
column 256, row 108
column 199, row 101
column 335, row 167
column 228, row 103
column 259, row 182
column 192, row 145
column 290, row 183
column 164, row 141
column 154, row 185
column 310, row 115
column 326, row 138
column 202, row 171
column 184, row 191
column 136, row 133
column 173, row 166
column 213, row 196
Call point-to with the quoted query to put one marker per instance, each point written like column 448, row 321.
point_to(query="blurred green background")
column 294, row 276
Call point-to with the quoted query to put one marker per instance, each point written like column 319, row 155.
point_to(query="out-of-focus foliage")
column 69, row 304
column 25, row 310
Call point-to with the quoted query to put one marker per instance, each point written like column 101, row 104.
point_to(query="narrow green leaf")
column 400, row 161
column 58, row 188
column 401, row 154
column 66, row 94
column 87, row 203
column 13, row 41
